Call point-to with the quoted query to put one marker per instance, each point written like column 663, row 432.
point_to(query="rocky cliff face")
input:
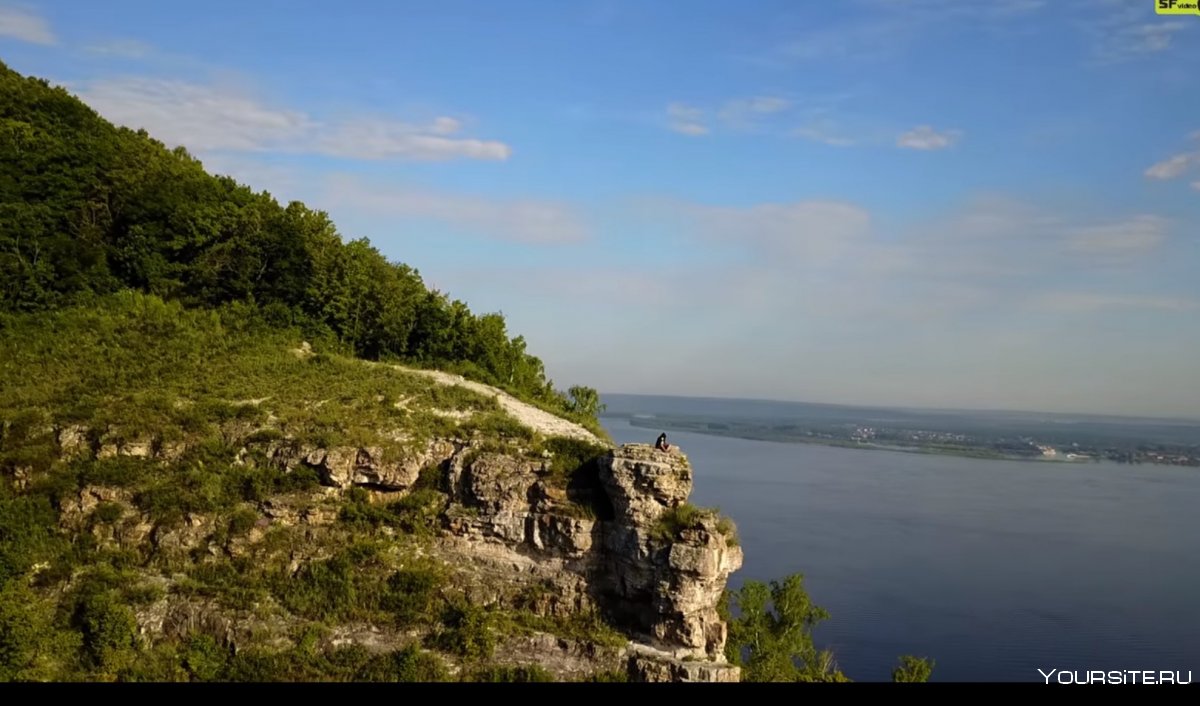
column 659, row 582
column 669, row 580
column 613, row 537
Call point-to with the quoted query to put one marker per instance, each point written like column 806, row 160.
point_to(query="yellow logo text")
column 1177, row 7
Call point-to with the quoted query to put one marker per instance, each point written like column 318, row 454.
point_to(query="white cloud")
column 202, row 118
column 1196, row 185
column 1124, row 31
column 985, row 255
column 1173, row 166
column 1131, row 236
column 1088, row 302
column 869, row 30
column 686, row 119
column 122, row 48
column 387, row 139
column 924, row 137
column 823, row 134
column 528, row 221
column 970, row 306
column 221, row 118
column 811, row 230
column 742, row 111
column 23, row 25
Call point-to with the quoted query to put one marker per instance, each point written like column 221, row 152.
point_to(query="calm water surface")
column 993, row 568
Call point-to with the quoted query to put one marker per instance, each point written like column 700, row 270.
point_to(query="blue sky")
column 987, row 205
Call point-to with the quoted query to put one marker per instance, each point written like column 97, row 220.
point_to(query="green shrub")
column 143, row 593
column 410, row 664
column 497, row 425
column 570, row 455
column 459, row 398
column 204, row 658
column 32, row 646
column 531, row 673
column 913, row 669
column 109, row 631
column 419, row 512
column 242, row 521
column 160, row 663
column 346, row 586
column 258, row 665
column 117, row 471
column 108, row 513
column 413, row 595
column 727, row 528
column 468, row 631
column 610, row 676
column 28, row 534
column 236, row 583
column 674, row 521
column 430, row 478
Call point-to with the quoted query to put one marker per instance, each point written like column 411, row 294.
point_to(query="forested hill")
column 88, row 208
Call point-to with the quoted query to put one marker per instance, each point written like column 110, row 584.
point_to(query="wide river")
column 992, row 568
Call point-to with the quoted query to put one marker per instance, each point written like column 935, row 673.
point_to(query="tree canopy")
column 88, row 208
column 770, row 636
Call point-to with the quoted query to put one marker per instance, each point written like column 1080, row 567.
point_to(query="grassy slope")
column 138, row 369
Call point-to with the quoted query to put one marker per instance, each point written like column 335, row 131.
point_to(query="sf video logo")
column 1177, row 7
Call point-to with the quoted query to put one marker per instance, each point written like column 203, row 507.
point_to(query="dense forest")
column 88, row 208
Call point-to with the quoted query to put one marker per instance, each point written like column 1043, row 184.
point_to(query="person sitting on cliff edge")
column 662, row 444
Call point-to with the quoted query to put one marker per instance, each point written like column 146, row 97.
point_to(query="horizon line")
column 902, row 408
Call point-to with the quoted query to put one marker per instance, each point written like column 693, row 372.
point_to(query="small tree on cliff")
column 913, row 669
column 584, row 400
column 771, row 636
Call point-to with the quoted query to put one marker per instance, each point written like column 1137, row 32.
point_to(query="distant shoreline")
column 981, row 454
column 652, row 422
column 1172, row 420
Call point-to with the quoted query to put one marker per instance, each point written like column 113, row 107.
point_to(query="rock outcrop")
column 613, row 538
column 671, row 585
column 616, row 555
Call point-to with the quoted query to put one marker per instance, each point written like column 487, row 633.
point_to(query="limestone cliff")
column 609, row 537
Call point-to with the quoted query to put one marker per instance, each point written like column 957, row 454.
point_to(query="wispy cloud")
column 390, row 139
column 979, row 295
column 812, row 230
column 524, row 221
column 122, row 48
column 1090, row 302
column 1172, row 167
column 1123, row 31
column 989, row 254
column 825, row 134
column 871, row 29
column 23, row 24
column 1125, row 42
column 686, row 120
column 222, row 118
column 1131, row 236
column 1176, row 165
column 744, row 111
column 925, row 137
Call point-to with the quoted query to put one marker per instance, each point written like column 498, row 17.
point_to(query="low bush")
column 531, row 673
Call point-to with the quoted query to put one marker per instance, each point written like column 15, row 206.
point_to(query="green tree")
column 584, row 400
column 87, row 208
column 770, row 636
column 913, row 669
